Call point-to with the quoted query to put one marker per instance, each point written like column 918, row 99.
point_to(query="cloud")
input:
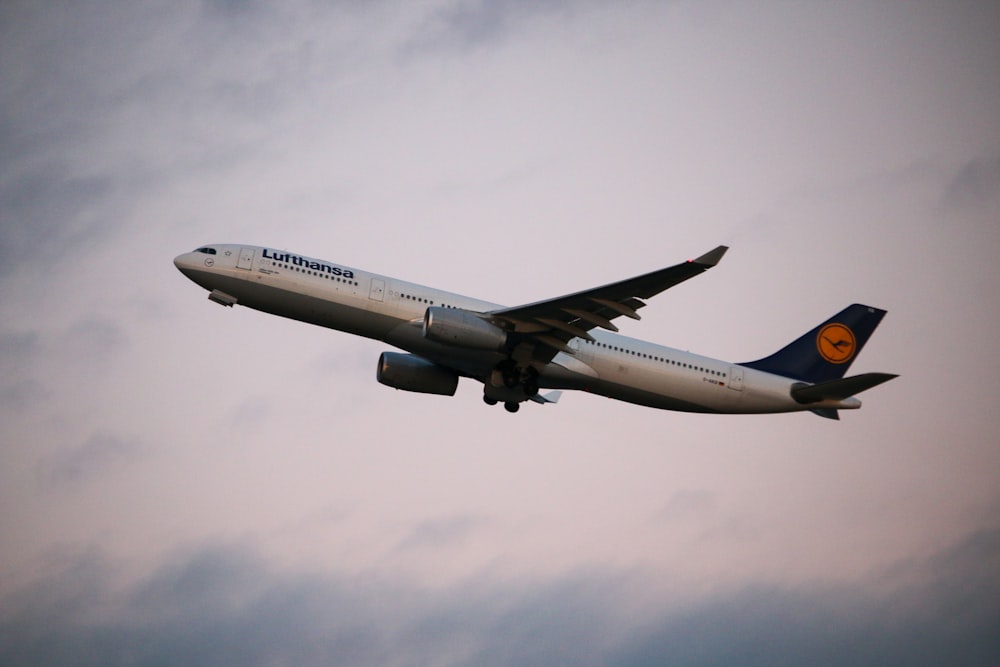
column 47, row 208
column 444, row 532
column 29, row 358
column 947, row 613
column 226, row 605
column 513, row 151
column 98, row 453
column 65, row 80
column 689, row 503
column 977, row 182
column 95, row 336
column 477, row 23
column 18, row 388
column 252, row 411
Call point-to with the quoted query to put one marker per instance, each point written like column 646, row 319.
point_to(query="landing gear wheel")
column 489, row 401
column 510, row 373
column 510, row 406
column 530, row 383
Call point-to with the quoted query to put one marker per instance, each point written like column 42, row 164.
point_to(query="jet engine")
column 412, row 373
column 453, row 326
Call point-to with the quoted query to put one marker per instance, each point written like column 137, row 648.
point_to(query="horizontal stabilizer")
column 838, row 390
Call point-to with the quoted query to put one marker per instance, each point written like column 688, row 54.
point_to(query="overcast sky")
column 187, row 484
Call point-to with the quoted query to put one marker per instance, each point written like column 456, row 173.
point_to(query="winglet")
column 712, row 257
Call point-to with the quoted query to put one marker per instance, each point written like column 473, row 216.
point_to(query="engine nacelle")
column 453, row 326
column 411, row 373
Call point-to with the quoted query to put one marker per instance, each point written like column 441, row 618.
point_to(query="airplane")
column 566, row 343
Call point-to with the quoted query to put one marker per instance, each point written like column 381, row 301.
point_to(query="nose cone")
column 184, row 263
column 191, row 263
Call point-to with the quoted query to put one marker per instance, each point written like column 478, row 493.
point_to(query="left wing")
column 555, row 322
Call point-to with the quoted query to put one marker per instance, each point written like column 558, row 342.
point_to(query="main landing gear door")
column 246, row 259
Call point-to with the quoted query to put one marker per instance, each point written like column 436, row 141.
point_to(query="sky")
column 187, row 484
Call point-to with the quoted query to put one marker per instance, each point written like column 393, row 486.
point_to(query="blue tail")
column 826, row 352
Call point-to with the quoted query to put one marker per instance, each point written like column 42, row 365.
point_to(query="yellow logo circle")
column 836, row 343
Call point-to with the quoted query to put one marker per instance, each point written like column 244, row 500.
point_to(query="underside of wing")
column 548, row 326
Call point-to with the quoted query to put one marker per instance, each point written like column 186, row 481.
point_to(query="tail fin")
column 826, row 352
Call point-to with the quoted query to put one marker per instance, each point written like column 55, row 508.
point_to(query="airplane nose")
column 186, row 262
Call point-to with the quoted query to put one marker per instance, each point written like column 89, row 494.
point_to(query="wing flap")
column 565, row 327
column 622, row 308
column 594, row 318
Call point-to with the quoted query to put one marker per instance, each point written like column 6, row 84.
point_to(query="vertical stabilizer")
column 826, row 352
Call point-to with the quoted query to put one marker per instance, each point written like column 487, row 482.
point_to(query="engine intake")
column 412, row 373
column 453, row 326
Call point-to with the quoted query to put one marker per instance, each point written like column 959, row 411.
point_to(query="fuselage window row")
column 416, row 298
column 319, row 274
column 660, row 359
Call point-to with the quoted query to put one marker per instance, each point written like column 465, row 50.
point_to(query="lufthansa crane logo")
column 836, row 343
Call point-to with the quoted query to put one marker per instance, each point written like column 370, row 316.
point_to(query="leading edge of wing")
column 574, row 314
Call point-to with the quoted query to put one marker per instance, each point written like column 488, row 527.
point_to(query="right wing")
column 554, row 322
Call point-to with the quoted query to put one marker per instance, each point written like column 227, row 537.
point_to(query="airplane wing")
column 555, row 322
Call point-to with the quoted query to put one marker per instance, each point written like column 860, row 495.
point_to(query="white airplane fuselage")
column 392, row 310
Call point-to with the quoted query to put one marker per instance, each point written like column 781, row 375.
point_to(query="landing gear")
column 511, row 384
column 510, row 373
column 514, row 376
column 530, row 383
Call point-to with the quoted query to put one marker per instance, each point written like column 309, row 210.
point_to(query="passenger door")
column 377, row 292
column 245, row 261
column 736, row 378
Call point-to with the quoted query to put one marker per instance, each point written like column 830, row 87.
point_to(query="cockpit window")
column 207, row 251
